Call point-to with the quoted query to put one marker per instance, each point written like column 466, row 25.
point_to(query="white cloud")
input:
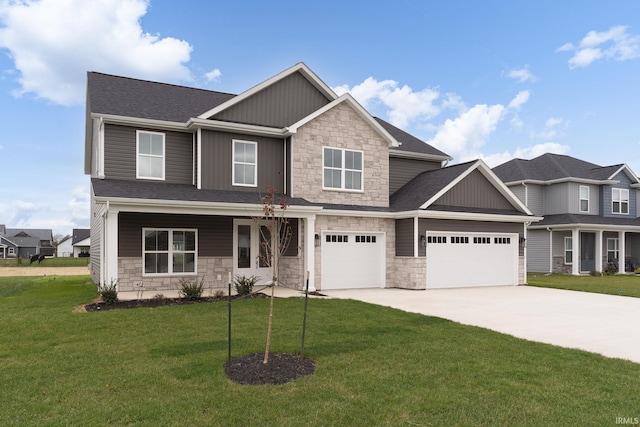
column 213, row 75
column 54, row 42
column 525, row 153
column 520, row 99
column 615, row 43
column 552, row 128
column 402, row 104
column 464, row 136
column 522, row 75
column 79, row 206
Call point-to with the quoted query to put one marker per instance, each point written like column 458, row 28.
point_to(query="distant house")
column 25, row 242
column 75, row 245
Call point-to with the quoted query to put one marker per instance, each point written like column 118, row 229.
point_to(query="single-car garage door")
column 352, row 260
column 458, row 260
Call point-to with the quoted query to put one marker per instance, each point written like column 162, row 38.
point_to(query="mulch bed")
column 281, row 368
column 162, row 302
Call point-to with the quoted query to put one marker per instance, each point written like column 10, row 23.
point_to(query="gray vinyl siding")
column 404, row 237
column 535, row 199
column 558, row 244
column 402, row 171
column 520, row 191
column 475, row 191
column 215, row 233
column 120, row 154
column 573, row 196
column 281, row 104
column 607, row 197
column 556, row 199
column 429, row 224
column 97, row 228
column 217, row 162
column 538, row 251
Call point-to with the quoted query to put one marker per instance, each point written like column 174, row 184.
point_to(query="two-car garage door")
column 352, row 260
column 456, row 260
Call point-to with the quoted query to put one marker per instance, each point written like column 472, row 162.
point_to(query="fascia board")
column 395, row 152
column 306, row 71
column 627, row 171
column 201, row 208
column 357, row 213
column 136, row 121
column 364, row 114
column 586, row 227
column 469, row 216
column 197, row 123
column 562, row 180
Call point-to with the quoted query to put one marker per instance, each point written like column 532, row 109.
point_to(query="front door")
column 249, row 251
column 587, row 252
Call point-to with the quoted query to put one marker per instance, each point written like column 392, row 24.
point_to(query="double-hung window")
column 584, row 198
column 568, row 250
column 169, row 251
column 342, row 169
column 245, row 163
column 150, row 155
column 620, row 200
column 613, row 249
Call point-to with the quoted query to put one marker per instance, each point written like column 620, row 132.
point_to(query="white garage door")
column 352, row 260
column 458, row 260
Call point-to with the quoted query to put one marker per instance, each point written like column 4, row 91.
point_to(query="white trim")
column 195, row 123
column 343, row 170
column 199, row 159
column 364, row 114
column 153, row 156
column 234, row 162
column 621, row 200
column 627, row 170
column 170, row 252
column 398, row 153
column 565, row 250
column 561, row 180
column 616, row 250
column 301, row 67
column 139, row 122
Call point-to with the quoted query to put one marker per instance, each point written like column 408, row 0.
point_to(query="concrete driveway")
column 604, row 324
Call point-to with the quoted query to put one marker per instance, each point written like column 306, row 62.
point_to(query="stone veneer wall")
column 522, row 278
column 368, row 225
column 409, row 273
column 130, row 275
column 340, row 127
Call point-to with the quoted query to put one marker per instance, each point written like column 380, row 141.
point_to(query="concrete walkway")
column 604, row 324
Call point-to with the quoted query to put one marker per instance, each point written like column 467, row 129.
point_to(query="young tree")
column 274, row 241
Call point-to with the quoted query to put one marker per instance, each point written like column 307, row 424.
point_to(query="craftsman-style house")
column 177, row 175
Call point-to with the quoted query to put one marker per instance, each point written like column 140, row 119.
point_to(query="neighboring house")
column 25, row 242
column 78, row 244
column 177, row 175
column 590, row 213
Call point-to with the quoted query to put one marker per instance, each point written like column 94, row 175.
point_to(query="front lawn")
column 617, row 284
column 375, row 366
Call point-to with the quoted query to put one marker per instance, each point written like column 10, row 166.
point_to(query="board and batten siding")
column 402, row 171
column 280, row 104
column 538, row 251
column 120, row 154
column 404, row 237
column 474, row 191
column 217, row 162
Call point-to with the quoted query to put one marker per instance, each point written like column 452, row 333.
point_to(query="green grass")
column 48, row 262
column 618, row 284
column 375, row 366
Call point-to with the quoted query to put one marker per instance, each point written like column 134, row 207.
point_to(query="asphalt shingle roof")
column 409, row 142
column 550, row 166
column 124, row 96
column 567, row 219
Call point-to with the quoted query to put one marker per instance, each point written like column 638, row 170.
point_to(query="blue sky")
column 491, row 80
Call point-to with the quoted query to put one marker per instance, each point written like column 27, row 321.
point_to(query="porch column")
column 110, row 256
column 310, row 251
column 575, row 243
column 621, row 253
column 598, row 254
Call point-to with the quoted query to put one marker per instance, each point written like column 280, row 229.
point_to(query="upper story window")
column 245, row 163
column 342, row 169
column 620, row 200
column 150, row 155
column 584, row 198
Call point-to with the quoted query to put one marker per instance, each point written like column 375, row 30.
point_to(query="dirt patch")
column 43, row 271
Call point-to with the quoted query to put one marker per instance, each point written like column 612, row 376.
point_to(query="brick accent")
column 340, row 127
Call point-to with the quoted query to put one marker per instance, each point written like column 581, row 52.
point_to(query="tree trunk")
column 266, row 351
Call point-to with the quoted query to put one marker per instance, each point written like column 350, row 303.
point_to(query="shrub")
column 244, row 284
column 610, row 269
column 109, row 293
column 191, row 289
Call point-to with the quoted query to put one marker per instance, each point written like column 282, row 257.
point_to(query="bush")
column 244, row 284
column 109, row 293
column 191, row 290
column 610, row 269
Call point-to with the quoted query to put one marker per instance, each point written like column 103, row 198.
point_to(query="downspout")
column 550, row 250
